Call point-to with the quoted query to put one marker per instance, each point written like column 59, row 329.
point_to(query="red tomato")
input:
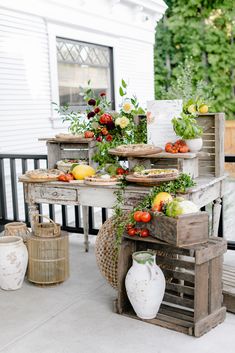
column 137, row 216
column 184, row 149
column 120, row 171
column 62, row 177
column 145, row 217
column 144, row 233
column 168, row 147
column 131, row 232
column 129, row 226
column 69, row 176
column 88, row 134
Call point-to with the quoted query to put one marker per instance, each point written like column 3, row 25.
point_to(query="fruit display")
column 139, row 217
column 160, row 199
column 179, row 146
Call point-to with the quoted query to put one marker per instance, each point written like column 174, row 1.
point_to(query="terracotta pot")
column 13, row 262
column 145, row 285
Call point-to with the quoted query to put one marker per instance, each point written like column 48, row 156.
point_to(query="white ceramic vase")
column 145, row 285
column 13, row 262
column 195, row 145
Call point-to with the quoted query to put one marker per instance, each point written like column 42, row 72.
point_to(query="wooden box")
column 57, row 151
column 186, row 229
column 213, row 144
column 192, row 303
column 208, row 162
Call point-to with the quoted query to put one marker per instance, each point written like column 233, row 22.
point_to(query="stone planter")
column 13, row 262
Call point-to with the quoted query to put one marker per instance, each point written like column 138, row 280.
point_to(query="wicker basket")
column 46, row 229
column 106, row 253
column 48, row 259
column 17, row 229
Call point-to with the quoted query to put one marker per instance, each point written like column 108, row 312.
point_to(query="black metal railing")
column 11, row 166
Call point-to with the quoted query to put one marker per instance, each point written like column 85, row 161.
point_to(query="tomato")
column 137, row 216
column 88, row 134
column 129, row 226
column 145, row 217
column 184, row 149
column 120, row 171
column 168, row 146
column 131, row 232
column 144, row 233
column 69, row 176
column 62, row 177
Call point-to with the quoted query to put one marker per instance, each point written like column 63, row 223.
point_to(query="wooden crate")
column 184, row 230
column 213, row 143
column 229, row 287
column 57, row 151
column 192, row 302
column 48, row 259
column 184, row 162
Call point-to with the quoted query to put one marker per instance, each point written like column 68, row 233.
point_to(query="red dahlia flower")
column 109, row 138
column 97, row 110
column 90, row 115
column 105, row 118
column 92, row 101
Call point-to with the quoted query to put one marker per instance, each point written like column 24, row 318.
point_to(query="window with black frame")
column 78, row 63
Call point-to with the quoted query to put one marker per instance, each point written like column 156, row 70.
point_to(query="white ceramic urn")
column 194, row 145
column 145, row 285
column 13, row 262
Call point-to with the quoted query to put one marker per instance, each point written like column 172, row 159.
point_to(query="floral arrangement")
column 109, row 128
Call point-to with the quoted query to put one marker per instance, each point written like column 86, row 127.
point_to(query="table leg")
column 33, row 210
column 216, row 210
column 85, row 215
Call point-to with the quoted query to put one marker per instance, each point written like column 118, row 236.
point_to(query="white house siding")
column 28, row 77
column 24, row 82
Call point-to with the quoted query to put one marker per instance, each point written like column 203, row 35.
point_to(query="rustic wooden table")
column 208, row 190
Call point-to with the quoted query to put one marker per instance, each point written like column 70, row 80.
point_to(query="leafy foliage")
column 200, row 34
column 186, row 127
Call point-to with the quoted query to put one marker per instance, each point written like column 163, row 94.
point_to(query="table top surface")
column 201, row 183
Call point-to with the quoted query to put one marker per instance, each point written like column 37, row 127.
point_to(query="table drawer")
column 52, row 194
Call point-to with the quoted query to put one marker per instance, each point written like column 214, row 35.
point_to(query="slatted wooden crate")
column 192, row 302
column 181, row 231
column 213, row 143
column 229, row 287
column 69, row 150
column 208, row 162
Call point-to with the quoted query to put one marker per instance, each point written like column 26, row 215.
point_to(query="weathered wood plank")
column 201, row 291
column 215, row 283
column 219, row 146
column 185, row 302
column 209, row 322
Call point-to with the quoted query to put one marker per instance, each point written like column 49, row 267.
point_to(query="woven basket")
column 46, row 229
column 106, row 253
column 17, row 229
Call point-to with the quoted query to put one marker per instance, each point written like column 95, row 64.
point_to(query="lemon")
column 192, row 108
column 203, row 109
column 81, row 171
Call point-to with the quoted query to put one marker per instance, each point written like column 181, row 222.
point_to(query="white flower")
column 117, row 121
column 127, row 107
column 124, row 121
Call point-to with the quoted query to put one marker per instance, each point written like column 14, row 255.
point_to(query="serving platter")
column 24, row 178
column 147, row 181
column 134, row 150
column 97, row 181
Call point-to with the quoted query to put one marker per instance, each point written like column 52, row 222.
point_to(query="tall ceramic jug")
column 13, row 262
column 145, row 285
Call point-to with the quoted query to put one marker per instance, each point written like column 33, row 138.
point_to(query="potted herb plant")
column 187, row 127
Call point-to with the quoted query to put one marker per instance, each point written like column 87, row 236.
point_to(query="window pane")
column 77, row 64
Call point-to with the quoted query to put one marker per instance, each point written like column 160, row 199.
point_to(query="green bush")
column 204, row 32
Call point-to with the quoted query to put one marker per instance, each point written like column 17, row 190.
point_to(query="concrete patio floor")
column 77, row 317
